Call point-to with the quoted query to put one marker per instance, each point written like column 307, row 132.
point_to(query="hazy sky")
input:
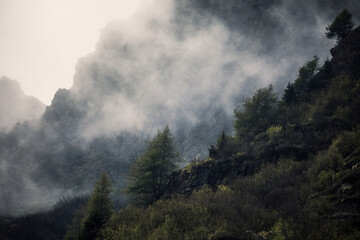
column 41, row 40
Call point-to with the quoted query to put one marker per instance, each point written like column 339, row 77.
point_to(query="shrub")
column 274, row 132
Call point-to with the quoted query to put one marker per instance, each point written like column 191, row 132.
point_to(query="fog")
column 186, row 64
column 15, row 106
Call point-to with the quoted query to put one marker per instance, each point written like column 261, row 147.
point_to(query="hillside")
column 262, row 149
column 283, row 165
column 296, row 177
column 158, row 73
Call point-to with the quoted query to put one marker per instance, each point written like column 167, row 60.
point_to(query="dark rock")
column 210, row 172
column 346, row 55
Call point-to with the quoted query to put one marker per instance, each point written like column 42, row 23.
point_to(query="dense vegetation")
column 49, row 225
column 291, row 170
column 89, row 220
column 150, row 173
column 297, row 163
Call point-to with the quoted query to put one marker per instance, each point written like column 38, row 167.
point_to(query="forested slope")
column 290, row 172
column 288, row 167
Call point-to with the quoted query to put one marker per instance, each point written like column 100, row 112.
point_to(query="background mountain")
column 15, row 106
column 187, row 64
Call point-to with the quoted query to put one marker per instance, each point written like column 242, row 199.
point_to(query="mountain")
column 296, row 178
column 15, row 106
column 186, row 64
column 294, row 174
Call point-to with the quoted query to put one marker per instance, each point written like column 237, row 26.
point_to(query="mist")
column 15, row 106
column 186, row 64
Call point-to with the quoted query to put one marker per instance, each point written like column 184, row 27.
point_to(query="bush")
column 274, row 132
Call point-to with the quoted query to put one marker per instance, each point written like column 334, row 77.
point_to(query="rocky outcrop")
column 262, row 150
column 210, row 172
column 346, row 55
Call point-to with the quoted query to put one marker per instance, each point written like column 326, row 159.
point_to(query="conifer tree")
column 150, row 174
column 99, row 209
column 340, row 27
column 260, row 111
column 289, row 94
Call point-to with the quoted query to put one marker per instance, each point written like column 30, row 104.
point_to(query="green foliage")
column 281, row 231
column 324, row 172
column 99, row 209
column 289, row 94
column 305, row 76
column 165, row 219
column 206, row 214
column 150, row 174
column 289, row 197
column 74, row 229
column 275, row 185
column 259, row 112
column 249, row 206
column 294, row 196
column 310, row 78
column 192, row 164
column 306, row 73
column 46, row 225
column 274, row 132
column 226, row 146
column 340, row 101
column 340, row 27
column 347, row 143
column 302, row 184
column 322, row 78
column 213, row 152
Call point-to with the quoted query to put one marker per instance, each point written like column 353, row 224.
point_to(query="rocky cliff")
column 346, row 55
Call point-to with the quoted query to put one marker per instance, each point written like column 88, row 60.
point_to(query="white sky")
column 41, row 40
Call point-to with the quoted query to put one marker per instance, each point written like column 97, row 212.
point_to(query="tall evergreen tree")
column 340, row 27
column 150, row 174
column 289, row 94
column 99, row 209
column 306, row 74
column 260, row 111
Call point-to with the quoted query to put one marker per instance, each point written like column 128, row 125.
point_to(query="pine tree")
column 150, row 174
column 260, row 111
column 99, row 209
column 340, row 27
column 289, row 94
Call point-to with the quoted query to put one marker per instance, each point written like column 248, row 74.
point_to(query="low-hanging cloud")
column 15, row 106
column 158, row 67
column 186, row 64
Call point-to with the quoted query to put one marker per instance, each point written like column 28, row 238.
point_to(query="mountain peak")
column 15, row 106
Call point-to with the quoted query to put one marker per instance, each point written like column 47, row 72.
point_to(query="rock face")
column 214, row 172
column 209, row 172
column 15, row 106
column 346, row 55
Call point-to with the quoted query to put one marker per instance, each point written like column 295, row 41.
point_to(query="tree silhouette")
column 99, row 209
column 149, row 176
column 340, row 27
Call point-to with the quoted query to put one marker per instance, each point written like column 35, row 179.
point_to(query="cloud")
column 170, row 64
column 158, row 67
column 15, row 106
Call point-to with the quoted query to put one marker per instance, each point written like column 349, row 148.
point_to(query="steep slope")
column 262, row 150
column 296, row 179
column 171, row 63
